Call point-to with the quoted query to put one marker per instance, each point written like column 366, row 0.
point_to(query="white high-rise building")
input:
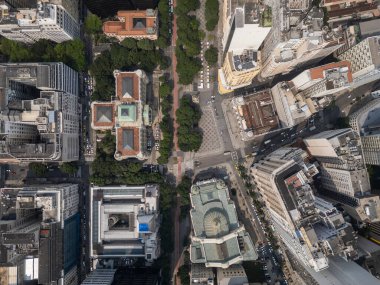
column 47, row 21
column 343, row 173
column 365, row 60
column 296, row 40
column 285, row 180
column 366, row 122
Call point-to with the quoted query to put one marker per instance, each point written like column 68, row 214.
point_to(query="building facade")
column 285, row 181
column 343, row 173
column 43, row 238
column 40, row 113
column 294, row 43
column 100, row 277
column 124, row 222
column 366, row 122
column 47, row 21
column 241, row 56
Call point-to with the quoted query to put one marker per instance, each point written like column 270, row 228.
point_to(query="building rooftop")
column 256, row 113
column 133, row 23
column 103, row 115
column 218, row 239
column 127, row 86
column 122, row 216
column 127, row 114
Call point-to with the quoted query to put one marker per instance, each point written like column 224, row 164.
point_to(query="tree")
column 93, row 24
column 211, row 55
column 69, row 168
column 72, row 54
column 39, row 169
column 129, row 43
column 145, row 44
column 211, row 14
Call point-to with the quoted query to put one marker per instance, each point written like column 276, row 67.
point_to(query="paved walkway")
column 211, row 143
column 175, row 96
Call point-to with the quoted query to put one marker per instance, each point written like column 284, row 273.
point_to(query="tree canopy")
column 70, row 52
column 39, row 169
column 211, row 55
column 188, row 116
column 93, row 24
column 69, row 167
column 211, row 14
column 188, row 41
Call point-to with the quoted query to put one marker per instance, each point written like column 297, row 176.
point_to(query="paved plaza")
column 211, row 143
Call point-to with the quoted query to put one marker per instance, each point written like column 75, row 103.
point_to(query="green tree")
column 211, row 14
column 69, row 168
column 211, row 55
column 39, row 169
column 72, row 54
column 129, row 43
column 145, row 44
column 93, row 24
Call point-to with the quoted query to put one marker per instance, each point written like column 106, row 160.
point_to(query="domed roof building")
column 218, row 240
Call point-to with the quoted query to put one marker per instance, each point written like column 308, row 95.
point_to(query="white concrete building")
column 296, row 41
column 343, row 173
column 328, row 79
column 365, row 60
column 366, row 122
column 47, row 21
column 124, row 222
column 285, row 180
column 291, row 107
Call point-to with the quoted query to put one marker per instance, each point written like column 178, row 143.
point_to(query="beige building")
column 241, row 56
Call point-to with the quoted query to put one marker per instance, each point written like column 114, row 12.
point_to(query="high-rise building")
column 310, row 227
column 128, row 114
column 296, row 40
column 343, row 174
column 366, row 123
column 241, row 56
column 40, row 113
column 365, row 60
column 43, row 231
column 100, row 277
column 217, row 240
column 47, row 21
column 133, row 24
column 332, row 78
column 124, row 222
